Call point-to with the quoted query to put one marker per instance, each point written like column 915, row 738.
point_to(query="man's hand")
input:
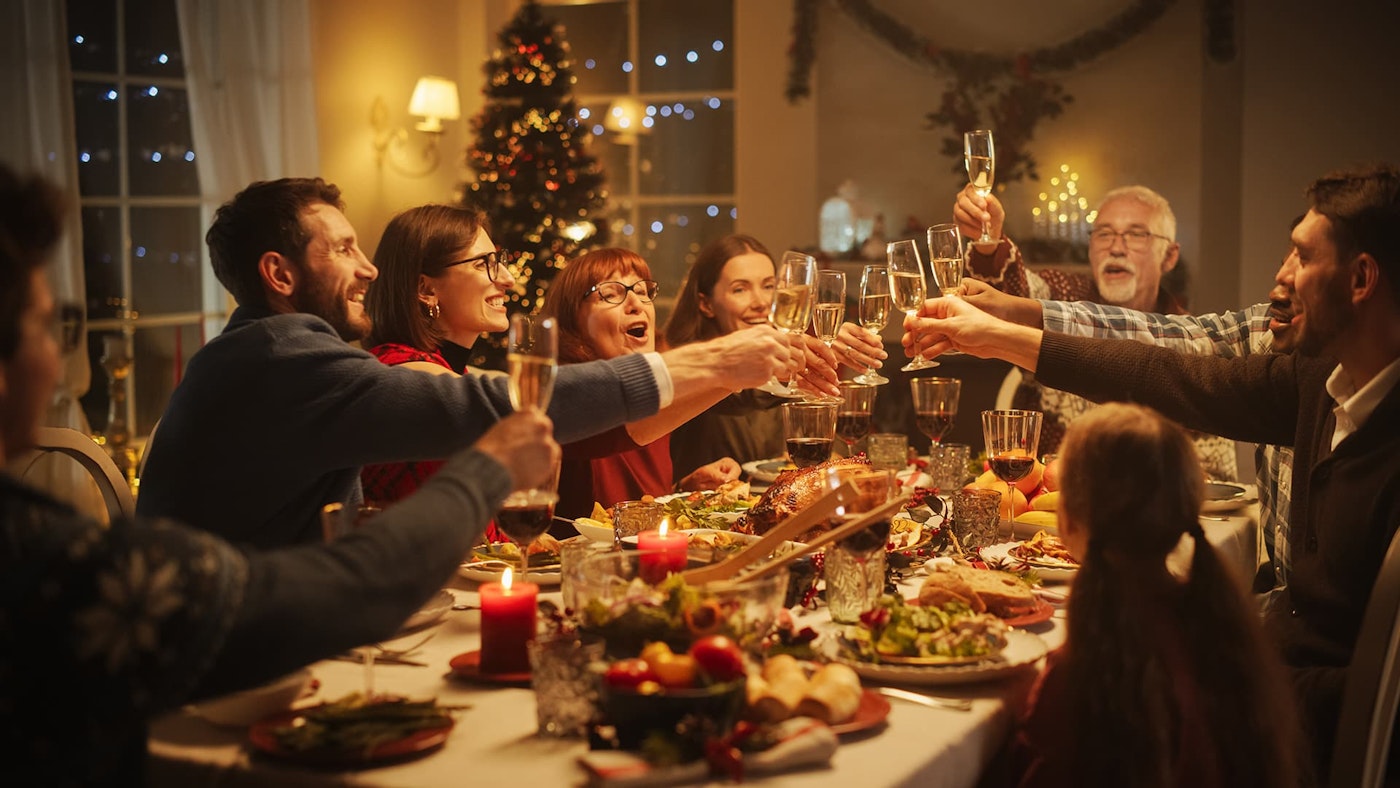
column 711, row 476
column 739, row 360
column 524, row 443
column 944, row 324
column 1025, row 311
column 859, row 348
column 970, row 211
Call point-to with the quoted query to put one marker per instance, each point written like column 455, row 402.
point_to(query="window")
column 656, row 84
column 149, row 294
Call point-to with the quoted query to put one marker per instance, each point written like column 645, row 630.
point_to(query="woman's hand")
column 711, row 476
column 859, row 348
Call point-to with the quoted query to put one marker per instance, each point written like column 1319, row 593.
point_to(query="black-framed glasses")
column 492, row 261
column 68, row 321
column 616, row 292
column 1136, row 240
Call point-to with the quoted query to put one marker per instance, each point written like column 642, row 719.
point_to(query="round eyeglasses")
column 616, row 292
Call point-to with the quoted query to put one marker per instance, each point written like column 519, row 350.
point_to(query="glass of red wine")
column 1012, row 439
column 809, row 428
column 935, row 406
column 853, row 419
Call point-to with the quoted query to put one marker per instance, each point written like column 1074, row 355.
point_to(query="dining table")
column 495, row 741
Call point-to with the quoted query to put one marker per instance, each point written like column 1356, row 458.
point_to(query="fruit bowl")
column 684, row 716
column 615, row 601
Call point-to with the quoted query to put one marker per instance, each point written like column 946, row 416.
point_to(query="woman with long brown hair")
column 1163, row 680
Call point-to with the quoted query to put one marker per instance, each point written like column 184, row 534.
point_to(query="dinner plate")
column 1226, row 497
column 873, row 710
column 432, row 610
column 766, row 471
column 262, row 738
column 998, row 556
column 1042, row 612
column 491, row 571
column 1022, row 649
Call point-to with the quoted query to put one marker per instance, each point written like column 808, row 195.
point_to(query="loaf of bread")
column 999, row 593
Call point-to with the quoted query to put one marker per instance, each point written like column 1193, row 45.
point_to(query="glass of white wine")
column 907, row 288
column 945, row 261
column 981, row 168
column 874, row 313
column 828, row 312
column 531, row 362
column 791, row 309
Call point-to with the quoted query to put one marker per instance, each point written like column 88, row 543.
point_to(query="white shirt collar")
column 1354, row 406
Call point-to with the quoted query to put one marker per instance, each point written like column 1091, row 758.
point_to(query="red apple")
column 719, row 657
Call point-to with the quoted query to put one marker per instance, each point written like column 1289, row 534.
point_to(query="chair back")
column 1372, row 691
column 115, row 492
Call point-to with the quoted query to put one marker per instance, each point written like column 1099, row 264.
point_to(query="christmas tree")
column 535, row 178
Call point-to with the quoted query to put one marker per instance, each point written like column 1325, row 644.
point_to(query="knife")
column 954, row 704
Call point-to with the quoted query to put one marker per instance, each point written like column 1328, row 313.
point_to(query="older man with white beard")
column 1131, row 248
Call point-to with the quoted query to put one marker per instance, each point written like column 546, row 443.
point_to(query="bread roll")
column 833, row 694
column 786, row 684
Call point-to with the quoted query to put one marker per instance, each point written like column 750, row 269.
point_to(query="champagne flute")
column 1012, row 438
column 945, row 260
column 874, row 312
column 791, row 308
column 809, row 428
column 531, row 362
column 853, row 419
column 935, row 406
column 828, row 312
column 980, row 155
column 907, row 288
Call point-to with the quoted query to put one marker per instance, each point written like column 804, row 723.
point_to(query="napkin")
column 802, row 743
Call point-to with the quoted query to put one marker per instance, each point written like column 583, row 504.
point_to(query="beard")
column 1120, row 291
column 1327, row 320
column 333, row 306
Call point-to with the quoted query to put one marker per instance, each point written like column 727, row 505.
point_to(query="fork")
column 402, row 652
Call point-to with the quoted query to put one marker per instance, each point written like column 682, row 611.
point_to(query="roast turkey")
column 791, row 492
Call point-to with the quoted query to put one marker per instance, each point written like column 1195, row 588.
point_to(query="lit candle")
column 661, row 552
column 507, row 625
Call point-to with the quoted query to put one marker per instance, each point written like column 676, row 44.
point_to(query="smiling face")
column 619, row 329
column 1285, row 311
column 471, row 303
column 335, row 274
column 742, row 293
column 1125, row 277
column 1323, row 286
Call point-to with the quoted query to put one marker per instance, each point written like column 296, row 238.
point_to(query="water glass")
column 888, row 451
column 976, row 518
column 854, row 580
column 632, row 517
column 565, row 682
column 947, row 465
column 572, row 553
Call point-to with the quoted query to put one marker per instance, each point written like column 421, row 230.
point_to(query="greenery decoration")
column 534, row 175
column 1010, row 94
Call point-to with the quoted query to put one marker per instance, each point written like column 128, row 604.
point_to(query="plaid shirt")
column 1239, row 333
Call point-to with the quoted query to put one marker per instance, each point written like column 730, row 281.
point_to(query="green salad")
column 894, row 628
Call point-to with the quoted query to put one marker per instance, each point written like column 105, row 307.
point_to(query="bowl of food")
column 615, row 600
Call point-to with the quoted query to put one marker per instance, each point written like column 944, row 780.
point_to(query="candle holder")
column 116, row 437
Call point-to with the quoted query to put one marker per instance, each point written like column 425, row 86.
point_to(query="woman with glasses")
column 603, row 305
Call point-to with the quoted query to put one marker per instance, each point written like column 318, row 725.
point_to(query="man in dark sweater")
column 275, row 416
column 1337, row 404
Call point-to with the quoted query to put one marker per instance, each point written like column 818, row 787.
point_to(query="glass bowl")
column 615, row 601
column 687, row 718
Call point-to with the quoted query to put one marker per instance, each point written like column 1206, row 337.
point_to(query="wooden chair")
column 115, row 492
column 1372, row 692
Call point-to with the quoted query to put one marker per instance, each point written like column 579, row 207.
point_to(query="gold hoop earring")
column 434, row 309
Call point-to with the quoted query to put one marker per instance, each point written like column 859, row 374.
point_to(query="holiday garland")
column 1007, row 93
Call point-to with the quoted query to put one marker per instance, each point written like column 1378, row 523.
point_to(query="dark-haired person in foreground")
column 102, row 628
column 275, row 416
column 1335, row 401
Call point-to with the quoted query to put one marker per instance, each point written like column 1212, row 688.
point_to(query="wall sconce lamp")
column 624, row 119
column 435, row 100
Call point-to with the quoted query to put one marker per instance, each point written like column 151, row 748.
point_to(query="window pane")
column 92, row 35
column 597, row 36
column 165, row 260
column 669, row 237
column 161, row 356
column 153, row 38
column 613, row 158
column 95, row 122
column 686, row 45
column 162, row 150
column 690, row 149
column 102, row 268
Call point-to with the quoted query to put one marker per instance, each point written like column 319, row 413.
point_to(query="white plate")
column 1022, row 649
column 766, row 471
column 491, row 573
column 597, row 533
column 998, row 556
column 1226, row 497
column 432, row 610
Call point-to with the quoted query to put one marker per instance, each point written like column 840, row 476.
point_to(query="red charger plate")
column 421, row 742
column 467, row 666
column 873, row 710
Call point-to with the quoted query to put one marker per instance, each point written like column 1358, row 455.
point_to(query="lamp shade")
column 435, row 98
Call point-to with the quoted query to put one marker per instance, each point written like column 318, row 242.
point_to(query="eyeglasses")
column 492, row 262
column 1135, row 240
column 68, row 327
column 616, row 292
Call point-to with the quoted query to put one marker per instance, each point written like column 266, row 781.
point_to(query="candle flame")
column 506, row 578
column 664, row 526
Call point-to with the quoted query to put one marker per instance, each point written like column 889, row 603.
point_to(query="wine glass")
column 809, row 428
column 945, row 260
column 907, row 288
column 854, row 416
column 531, row 362
column 874, row 312
column 1012, row 438
column 981, row 168
column 828, row 312
column 791, row 308
column 935, row 406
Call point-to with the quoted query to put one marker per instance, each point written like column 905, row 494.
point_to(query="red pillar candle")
column 662, row 553
column 507, row 625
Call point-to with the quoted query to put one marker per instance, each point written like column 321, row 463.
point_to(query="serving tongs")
column 821, row 509
column 860, row 523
